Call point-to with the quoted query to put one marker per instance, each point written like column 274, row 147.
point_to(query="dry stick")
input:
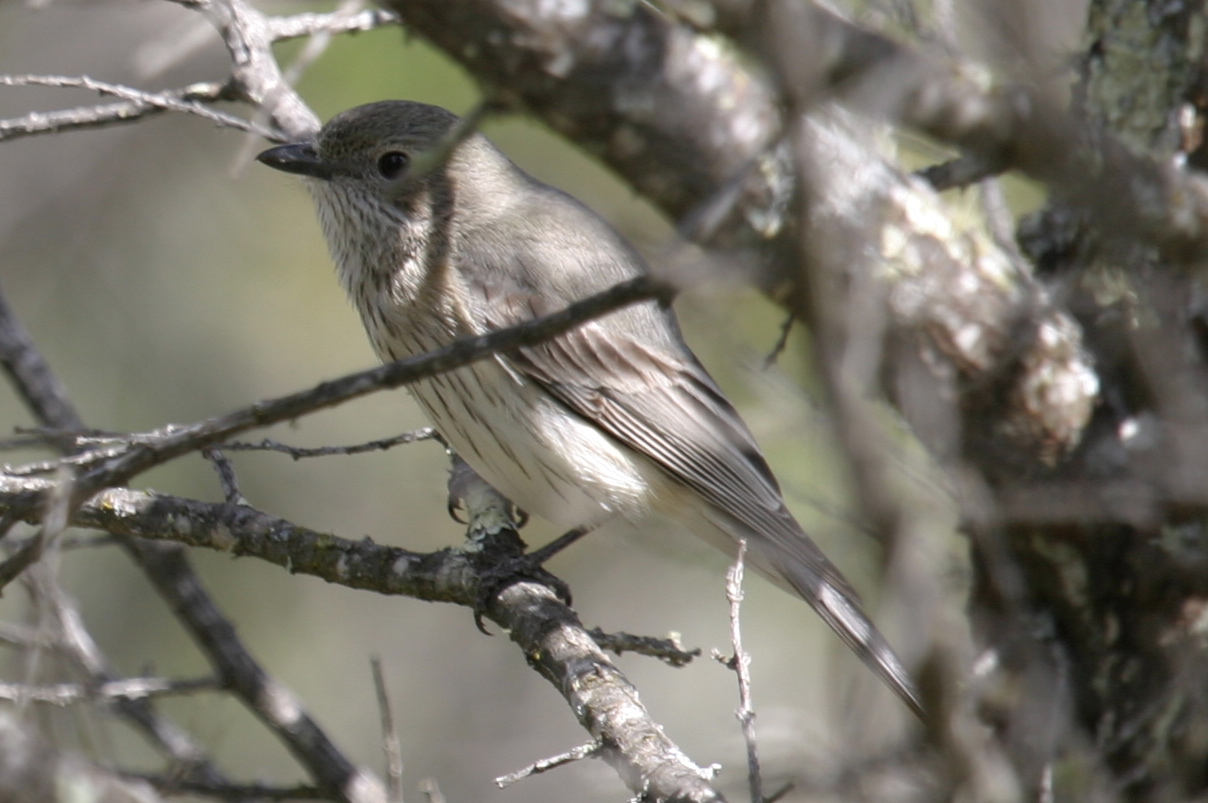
column 69, row 542
column 55, row 516
column 319, row 39
column 431, row 790
column 226, row 475
column 390, row 740
column 546, row 764
column 107, row 114
column 62, row 694
column 35, row 384
column 172, row 785
column 782, row 341
column 741, row 664
column 298, row 453
column 668, row 650
column 166, row 101
column 299, row 25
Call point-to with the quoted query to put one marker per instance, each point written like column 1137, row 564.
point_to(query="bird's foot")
column 510, row 571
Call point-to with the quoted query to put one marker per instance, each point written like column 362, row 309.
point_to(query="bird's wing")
column 661, row 403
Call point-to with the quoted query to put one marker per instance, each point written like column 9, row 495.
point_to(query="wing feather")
column 665, row 406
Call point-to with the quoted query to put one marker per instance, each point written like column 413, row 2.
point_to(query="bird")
column 614, row 418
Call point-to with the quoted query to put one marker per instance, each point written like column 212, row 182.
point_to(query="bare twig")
column 186, row 101
column 221, row 790
column 431, row 790
column 26, row 555
column 782, row 341
column 36, row 385
column 30, row 441
column 545, row 553
column 226, row 475
column 320, row 37
column 73, row 541
column 298, row 453
column 245, row 531
column 106, row 114
column 390, row 741
column 667, row 650
column 960, row 172
column 298, row 25
column 46, row 398
column 740, row 662
column 467, row 125
column 589, row 750
column 128, row 688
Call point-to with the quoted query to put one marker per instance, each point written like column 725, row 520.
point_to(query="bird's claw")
column 506, row 573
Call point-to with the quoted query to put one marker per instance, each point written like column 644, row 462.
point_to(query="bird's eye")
column 392, row 163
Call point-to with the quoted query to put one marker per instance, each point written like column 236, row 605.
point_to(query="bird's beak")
column 297, row 157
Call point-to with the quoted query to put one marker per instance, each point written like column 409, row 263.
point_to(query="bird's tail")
column 781, row 551
column 844, row 616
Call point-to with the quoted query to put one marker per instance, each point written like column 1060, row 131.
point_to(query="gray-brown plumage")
column 617, row 417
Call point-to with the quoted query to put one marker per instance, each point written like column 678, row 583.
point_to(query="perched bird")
column 616, row 417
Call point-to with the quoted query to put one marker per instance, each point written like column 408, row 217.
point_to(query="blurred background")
column 169, row 278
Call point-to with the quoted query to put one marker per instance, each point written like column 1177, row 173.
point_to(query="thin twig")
column 171, row 784
column 226, row 475
column 431, row 790
column 741, row 664
column 544, row 628
column 589, row 750
column 55, row 519
column 297, row 26
column 782, row 341
column 104, row 114
column 22, row 442
column 75, row 541
column 963, row 171
column 62, row 694
column 390, row 740
column 298, row 453
column 539, row 556
column 668, row 650
column 36, row 385
column 166, row 101
column 438, row 154
column 321, row 35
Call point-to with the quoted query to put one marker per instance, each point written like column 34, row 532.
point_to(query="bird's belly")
column 543, row 457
